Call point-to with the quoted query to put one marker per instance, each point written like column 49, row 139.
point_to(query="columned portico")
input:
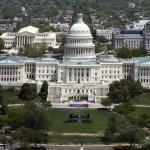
column 22, row 40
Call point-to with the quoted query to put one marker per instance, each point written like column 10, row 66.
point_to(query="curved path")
column 65, row 105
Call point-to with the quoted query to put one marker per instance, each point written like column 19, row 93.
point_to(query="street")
column 78, row 147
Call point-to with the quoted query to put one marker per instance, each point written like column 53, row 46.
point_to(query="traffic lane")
column 78, row 148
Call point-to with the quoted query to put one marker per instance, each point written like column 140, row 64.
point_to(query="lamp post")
column 82, row 147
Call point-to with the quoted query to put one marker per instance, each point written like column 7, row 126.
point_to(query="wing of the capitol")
column 79, row 73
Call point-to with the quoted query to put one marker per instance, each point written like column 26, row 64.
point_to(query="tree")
column 35, row 117
column 124, row 108
column 22, row 135
column 144, row 120
column 4, row 109
column 1, row 99
column 123, row 53
column 134, row 87
column 118, row 92
column 27, row 135
column 44, row 90
column 117, row 123
column 1, row 95
column 28, row 91
column 1, row 44
column 33, row 51
column 38, row 137
column 1, row 89
column 63, row 38
column 125, row 148
column 124, row 90
column 106, row 102
column 132, row 135
column 146, row 146
column 129, row 53
column 41, row 47
column 101, row 39
column 15, row 118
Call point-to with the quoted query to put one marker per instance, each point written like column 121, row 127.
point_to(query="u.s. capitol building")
column 79, row 73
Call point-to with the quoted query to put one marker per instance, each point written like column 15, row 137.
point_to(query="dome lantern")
column 80, row 18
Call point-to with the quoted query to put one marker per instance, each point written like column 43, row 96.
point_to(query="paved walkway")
column 77, row 134
column 142, row 106
column 66, row 105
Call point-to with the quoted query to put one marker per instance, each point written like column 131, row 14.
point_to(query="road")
column 78, row 148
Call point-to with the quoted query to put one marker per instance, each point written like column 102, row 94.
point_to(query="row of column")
column 30, row 68
column 144, row 72
column 79, row 51
column 9, row 71
column 21, row 40
column 79, row 72
column 10, row 79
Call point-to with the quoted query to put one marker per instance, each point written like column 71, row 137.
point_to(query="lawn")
column 75, row 139
column 59, row 124
column 143, row 99
column 98, row 118
column 141, row 110
column 11, row 97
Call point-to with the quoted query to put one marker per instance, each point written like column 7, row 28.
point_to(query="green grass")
column 143, row 99
column 11, row 97
column 141, row 110
column 3, row 120
column 74, row 139
column 59, row 116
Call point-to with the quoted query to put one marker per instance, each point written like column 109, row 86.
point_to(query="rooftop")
column 15, row 60
column 30, row 29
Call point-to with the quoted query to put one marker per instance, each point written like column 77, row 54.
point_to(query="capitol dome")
column 79, row 41
column 79, row 27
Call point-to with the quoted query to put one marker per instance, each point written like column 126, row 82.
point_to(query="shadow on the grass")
column 71, row 121
column 103, row 109
column 87, row 121
column 75, row 121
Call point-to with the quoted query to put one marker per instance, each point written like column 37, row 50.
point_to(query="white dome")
column 79, row 27
column 79, row 41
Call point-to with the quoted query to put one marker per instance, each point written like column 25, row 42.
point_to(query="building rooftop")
column 79, row 61
column 15, row 60
column 142, row 60
column 46, row 59
column 30, row 29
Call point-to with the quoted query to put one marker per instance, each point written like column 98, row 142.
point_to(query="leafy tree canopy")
column 44, row 90
column 124, row 90
column 132, row 135
column 101, row 39
column 36, row 50
column 4, row 109
column 1, row 44
column 106, row 102
column 125, row 148
column 129, row 53
column 28, row 91
column 31, row 116
column 36, row 117
column 124, row 108
column 27, row 135
column 117, row 123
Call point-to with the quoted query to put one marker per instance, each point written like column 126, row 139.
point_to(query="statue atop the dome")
column 80, row 8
